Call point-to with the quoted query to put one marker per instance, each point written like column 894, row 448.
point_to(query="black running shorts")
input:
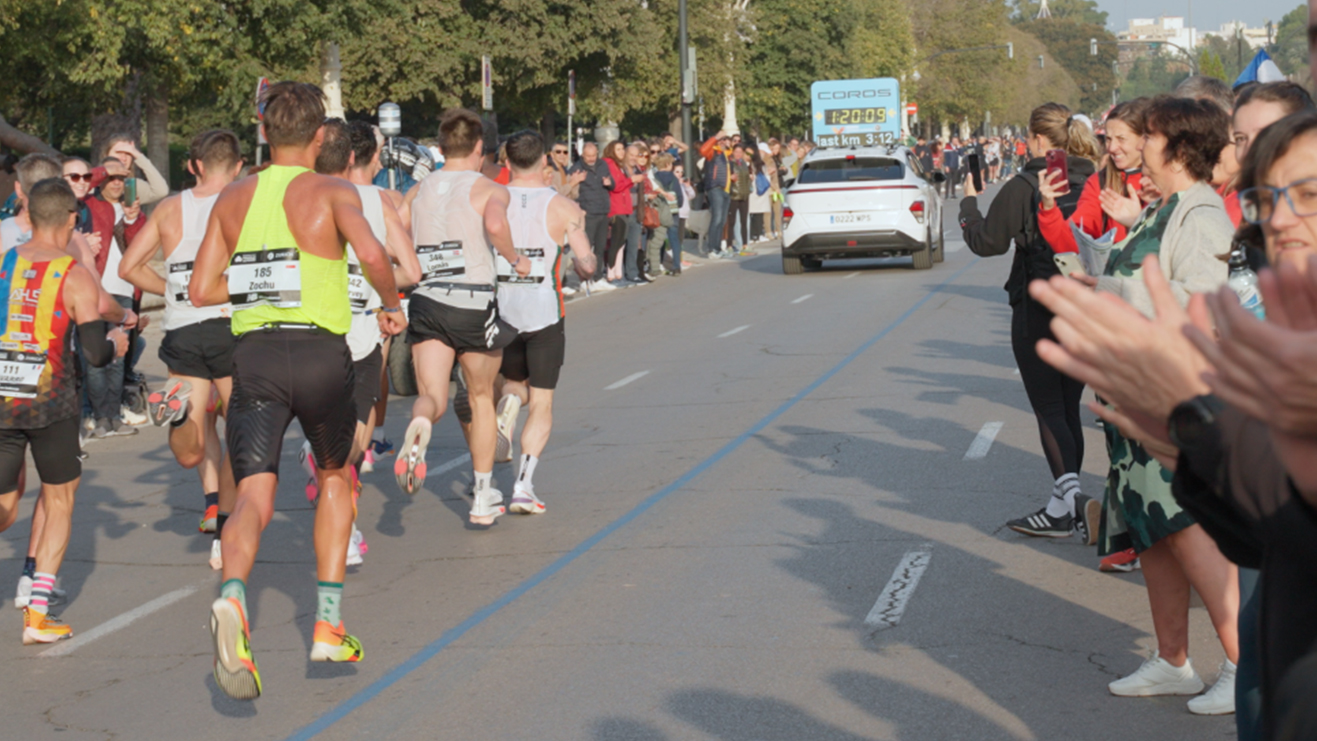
column 287, row 373
column 536, row 356
column 201, row 350
column 464, row 330
column 54, row 449
column 367, row 387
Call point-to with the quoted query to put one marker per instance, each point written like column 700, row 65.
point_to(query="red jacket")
column 1231, row 200
column 1088, row 215
column 102, row 222
column 619, row 197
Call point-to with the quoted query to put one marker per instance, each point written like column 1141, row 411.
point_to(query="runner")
column 198, row 344
column 541, row 222
column 349, row 152
column 290, row 315
column 459, row 219
column 49, row 294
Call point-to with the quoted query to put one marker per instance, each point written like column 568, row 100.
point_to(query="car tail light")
column 786, row 212
column 917, row 210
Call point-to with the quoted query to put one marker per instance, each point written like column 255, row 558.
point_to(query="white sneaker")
column 524, row 502
column 505, row 427
column 216, row 555
column 568, row 291
column 1220, row 700
column 486, row 506
column 24, row 594
column 354, row 547
column 130, row 417
column 1156, row 677
column 602, row 285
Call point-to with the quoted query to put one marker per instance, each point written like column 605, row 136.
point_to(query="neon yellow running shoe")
column 334, row 644
column 235, row 669
column 38, row 627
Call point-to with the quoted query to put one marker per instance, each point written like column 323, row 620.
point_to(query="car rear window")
column 843, row 170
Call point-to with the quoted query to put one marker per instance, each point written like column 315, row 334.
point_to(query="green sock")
column 236, row 589
column 329, row 598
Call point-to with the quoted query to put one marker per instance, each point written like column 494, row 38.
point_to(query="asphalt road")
column 774, row 533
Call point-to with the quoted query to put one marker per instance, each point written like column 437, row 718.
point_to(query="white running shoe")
column 568, row 291
column 368, row 461
column 506, row 425
column 486, row 506
column 216, row 555
column 1157, row 677
column 1220, row 700
column 524, row 502
column 354, row 547
column 602, row 285
column 130, row 417
column 409, row 468
column 24, row 594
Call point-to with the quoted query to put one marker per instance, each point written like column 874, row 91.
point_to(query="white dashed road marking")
column 806, row 297
column 852, row 275
column 983, row 441
column 64, row 648
column 889, row 608
column 731, row 332
column 625, row 381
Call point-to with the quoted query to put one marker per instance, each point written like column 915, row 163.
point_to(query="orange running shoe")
column 209, row 520
column 235, row 668
column 1123, row 562
column 333, row 644
column 38, row 627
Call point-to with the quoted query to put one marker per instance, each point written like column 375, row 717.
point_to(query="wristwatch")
column 1191, row 421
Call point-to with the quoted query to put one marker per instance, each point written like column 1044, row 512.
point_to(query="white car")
column 862, row 202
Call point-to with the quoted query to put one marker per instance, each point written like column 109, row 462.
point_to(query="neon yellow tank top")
column 271, row 279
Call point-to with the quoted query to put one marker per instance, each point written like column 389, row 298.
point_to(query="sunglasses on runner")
column 1259, row 204
column 76, row 176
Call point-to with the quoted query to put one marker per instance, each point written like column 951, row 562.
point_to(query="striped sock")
column 1067, row 487
column 42, row 584
column 329, row 599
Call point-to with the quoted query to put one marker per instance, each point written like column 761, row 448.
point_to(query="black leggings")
column 738, row 213
column 617, row 241
column 1053, row 395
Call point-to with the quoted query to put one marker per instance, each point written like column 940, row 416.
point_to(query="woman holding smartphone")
column 1053, row 395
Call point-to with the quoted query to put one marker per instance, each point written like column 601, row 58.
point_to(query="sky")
column 1208, row 15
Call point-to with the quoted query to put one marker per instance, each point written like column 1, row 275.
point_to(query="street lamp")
column 390, row 119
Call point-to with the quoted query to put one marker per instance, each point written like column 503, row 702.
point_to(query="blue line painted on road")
column 451, row 635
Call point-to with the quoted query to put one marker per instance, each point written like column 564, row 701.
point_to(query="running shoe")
column 24, row 595
column 169, row 404
column 1157, row 677
column 381, row 447
column 130, row 417
column 1220, row 699
column 354, row 548
column 409, row 469
column 506, row 426
column 1088, row 512
column 524, row 502
column 216, row 555
column 1042, row 525
column 235, row 668
column 38, row 627
column 1122, row 562
column 486, row 506
column 334, row 644
column 368, row 461
column 308, row 461
column 209, row 520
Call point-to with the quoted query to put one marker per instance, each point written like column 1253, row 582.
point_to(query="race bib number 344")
column 268, row 277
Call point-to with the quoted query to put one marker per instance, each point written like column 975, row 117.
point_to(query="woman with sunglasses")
column 77, row 173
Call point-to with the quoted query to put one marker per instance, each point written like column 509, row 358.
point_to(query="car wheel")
column 923, row 259
column 791, row 265
column 941, row 252
column 402, row 375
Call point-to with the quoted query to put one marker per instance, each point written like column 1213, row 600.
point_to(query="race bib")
column 20, row 373
column 507, row 275
column 266, row 278
column 180, row 274
column 441, row 262
column 359, row 290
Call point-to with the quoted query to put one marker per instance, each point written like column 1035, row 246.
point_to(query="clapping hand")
column 1124, row 209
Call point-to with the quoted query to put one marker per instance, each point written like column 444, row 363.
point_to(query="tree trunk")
column 157, row 129
column 21, row 141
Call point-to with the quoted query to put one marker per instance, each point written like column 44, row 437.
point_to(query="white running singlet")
column 179, row 311
column 457, row 261
column 365, row 336
column 532, row 302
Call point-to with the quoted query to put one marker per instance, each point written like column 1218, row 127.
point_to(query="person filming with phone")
column 1066, row 146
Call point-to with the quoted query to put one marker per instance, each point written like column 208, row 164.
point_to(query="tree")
column 1069, row 42
column 1225, row 53
column 1290, row 49
column 1153, row 75
column 963, row 85
column 1209, row 64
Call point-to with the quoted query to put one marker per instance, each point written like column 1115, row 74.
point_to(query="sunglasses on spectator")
column 120, row 178
column 560, row 151
column 1259, row 204
column 653, row 151
column 76, row 176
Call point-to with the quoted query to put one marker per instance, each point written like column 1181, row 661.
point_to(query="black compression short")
column 536, row 356
column 201, row 350
column 464, row 330
column 367, row 387
column 54, row 449
column 282, row 374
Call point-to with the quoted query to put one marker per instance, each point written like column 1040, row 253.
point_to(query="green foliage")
column 961, row 85
column 1153, row 75
column 1068, row 42
column 1225, row 52
column 1209, row 64
column 1290, row 48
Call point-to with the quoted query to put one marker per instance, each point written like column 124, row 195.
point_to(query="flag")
column 1261, row 69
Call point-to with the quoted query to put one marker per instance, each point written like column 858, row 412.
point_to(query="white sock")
column 378, row 435
column 1056, row 507
column 527, row 472
column 483, row 480
column 1066, row 488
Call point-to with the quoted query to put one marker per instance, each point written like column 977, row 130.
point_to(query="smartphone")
column 1056, row 162
column 130, row 191
column 975, row 172
column 1067, row 263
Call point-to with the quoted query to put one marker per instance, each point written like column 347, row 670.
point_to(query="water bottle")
column 1244, row 282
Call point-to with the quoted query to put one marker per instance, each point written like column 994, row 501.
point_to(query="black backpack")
column 1034, row 258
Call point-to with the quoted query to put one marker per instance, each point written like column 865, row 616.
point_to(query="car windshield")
column 857, row 168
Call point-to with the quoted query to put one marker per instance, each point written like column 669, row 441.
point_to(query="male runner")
column 198, row 344
column 349, row 152
column 280, row 237
column 459, row 219
column 49, row 294
column 541, row 221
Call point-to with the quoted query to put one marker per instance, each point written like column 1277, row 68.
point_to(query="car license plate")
column 850, row 218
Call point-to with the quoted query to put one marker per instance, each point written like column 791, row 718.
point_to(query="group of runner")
column 281, row 298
